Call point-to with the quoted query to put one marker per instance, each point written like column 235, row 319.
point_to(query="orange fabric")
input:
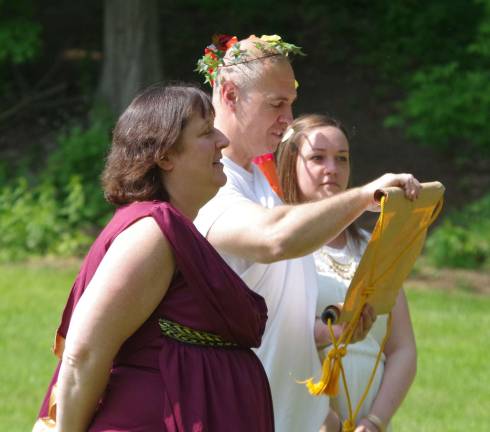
column 58, row 345
column 267, row 165
column 46, row 424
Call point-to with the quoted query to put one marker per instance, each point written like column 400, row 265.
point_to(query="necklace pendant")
column 344, row 271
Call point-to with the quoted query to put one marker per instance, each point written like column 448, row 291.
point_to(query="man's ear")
column 229, row 94
column 165, row 163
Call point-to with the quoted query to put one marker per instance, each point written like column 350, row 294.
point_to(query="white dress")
column 289, row 287
column 335, row 269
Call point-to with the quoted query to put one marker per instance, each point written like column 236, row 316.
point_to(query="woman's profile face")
column 322, row 165
column 198, row 160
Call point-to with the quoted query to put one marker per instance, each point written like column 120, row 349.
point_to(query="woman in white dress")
column 313, row 163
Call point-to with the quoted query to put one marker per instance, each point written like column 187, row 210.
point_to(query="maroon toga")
column 159, row 383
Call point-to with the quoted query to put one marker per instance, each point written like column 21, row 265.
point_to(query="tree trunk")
column 132, row 55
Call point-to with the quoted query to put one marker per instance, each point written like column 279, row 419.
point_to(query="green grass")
column 32, row 297
column 450, row 392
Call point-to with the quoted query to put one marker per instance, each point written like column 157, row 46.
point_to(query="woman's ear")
column 165, row 162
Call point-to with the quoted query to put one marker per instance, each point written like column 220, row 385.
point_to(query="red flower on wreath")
column 214, row 54
column 210, row 51
column 223, row 42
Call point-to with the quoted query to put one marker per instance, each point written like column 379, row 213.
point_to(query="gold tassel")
column 348, row 426
column 329, row 381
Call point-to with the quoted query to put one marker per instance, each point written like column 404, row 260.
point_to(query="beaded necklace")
column 344, row 271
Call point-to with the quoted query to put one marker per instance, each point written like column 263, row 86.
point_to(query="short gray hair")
column 245, row 72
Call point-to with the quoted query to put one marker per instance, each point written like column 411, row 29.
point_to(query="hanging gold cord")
column 332, row 365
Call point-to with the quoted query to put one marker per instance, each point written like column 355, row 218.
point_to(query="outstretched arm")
column 267, row 235
column 129, row 283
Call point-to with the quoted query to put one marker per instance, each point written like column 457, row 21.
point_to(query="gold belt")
column 191, row 336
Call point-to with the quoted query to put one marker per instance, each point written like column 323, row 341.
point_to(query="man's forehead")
column 286, row 96
column 278, row 81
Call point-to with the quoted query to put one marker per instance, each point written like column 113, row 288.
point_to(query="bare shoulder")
column 142, row 245
column 143, row 232
column 146, row 227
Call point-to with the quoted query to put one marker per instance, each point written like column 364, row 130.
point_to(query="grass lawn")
column 451, row 390
column 32, row 297
column 450, row 393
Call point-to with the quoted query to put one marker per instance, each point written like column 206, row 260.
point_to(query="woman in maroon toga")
column 158, row 328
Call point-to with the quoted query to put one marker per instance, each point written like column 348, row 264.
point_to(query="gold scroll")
column 395, row 244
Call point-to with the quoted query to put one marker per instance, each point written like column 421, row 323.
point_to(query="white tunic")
column 289, row 288
column 361, row 356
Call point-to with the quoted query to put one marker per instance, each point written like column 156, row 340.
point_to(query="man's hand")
column 407, row 182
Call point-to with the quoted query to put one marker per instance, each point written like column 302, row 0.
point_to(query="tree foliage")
column 434, row 57
column 20, row 34
column 20, row 39
column 445, row 72
column 402, row 37
column 435, row 53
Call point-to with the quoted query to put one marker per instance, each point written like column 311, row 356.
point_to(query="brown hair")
column 287, row 154
column 145, row 131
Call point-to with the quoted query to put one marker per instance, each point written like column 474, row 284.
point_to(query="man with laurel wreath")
column 266, row 242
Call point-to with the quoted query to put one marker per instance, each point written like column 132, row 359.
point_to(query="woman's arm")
column 400, row 366
column 129, row 283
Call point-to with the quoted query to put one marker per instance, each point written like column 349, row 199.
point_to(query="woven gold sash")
column 191, row 336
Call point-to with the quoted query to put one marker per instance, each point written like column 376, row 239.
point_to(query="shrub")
column 58, row 212
column 34, row 223
column 81, row 152
column 463, row 240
